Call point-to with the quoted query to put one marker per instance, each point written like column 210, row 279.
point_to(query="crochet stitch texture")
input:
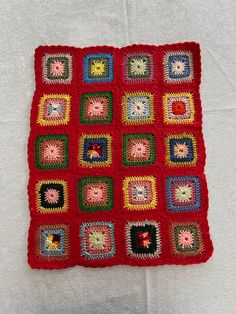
column 116, row 157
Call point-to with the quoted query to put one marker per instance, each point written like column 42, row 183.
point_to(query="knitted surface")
column 116, row 157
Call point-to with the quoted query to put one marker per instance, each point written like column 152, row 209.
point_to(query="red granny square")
column 116, row 157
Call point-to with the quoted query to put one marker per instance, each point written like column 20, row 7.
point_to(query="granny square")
column 52, row 242
column 51, row 196
column 116, row 157
column 143, row 239
column 97, row 240
column 138, row 108
column 98, row 68
column 95, row 150
column 96, row 107
column 95, row 193
column 183, row 193
column 178, row 108
column 138, row 149
column 178, row 66
column 138, row 67
column 57, row 68
column 54, row 109
column 140, row 193
column 181, row 150
column 51, row 151
column 186, row 239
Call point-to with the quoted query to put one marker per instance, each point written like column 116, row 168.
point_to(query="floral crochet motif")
column 186, row 238
column 98, row 68
column 183, row 193
column 51, row 196
column 57, row 68
column 52, row 242
column 52, row 152
column 97, row 240
column 181, row 150
column 139, row 193
column 95, row 194
column 138, row 66
column 178, row 67
column 95, row 150
column 138, row 150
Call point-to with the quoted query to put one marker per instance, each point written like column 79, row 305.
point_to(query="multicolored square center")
column 52, row 241
column 143, row 239
column 138, row 67
column 178, row 67
column 57, row 68
column 116, row 157
column 98, row 68
column 97, row 240
column 95, row 194
column 96, row 107
column 95, row 150
column 51, row 196
column 51, row 151
column 138, row 149
column 138, row 108
column 54, row 109
column 178, row 108
column 181, row 150
column 186, row 238
column 183, row 193
column 140, row 193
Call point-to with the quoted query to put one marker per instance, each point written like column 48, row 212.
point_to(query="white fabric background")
column 206, row 288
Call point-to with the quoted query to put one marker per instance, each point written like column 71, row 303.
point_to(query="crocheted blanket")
column 116, row 157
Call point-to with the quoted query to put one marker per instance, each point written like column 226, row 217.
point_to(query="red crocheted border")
column 161, row 245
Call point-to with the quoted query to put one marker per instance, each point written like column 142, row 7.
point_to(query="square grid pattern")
column 116, row 157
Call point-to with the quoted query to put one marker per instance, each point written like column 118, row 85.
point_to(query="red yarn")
column 119, row 215
column 178, row 107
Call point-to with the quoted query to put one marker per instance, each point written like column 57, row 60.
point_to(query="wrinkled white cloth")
column 206, row 288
